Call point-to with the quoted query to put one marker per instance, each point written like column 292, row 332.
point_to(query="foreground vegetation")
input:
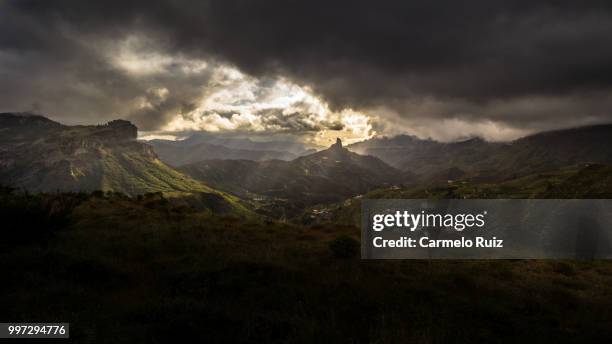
column 152, row 269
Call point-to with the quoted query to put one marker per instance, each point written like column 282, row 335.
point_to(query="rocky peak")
column 118, row 129
column 337, row 145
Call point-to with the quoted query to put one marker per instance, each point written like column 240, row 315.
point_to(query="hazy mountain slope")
column 294, row 147
column 411, row 153
column 494, row 161
column 206, row 146
column 556, row 149
column 38, row 154
column 325, row 176
column 178, row 153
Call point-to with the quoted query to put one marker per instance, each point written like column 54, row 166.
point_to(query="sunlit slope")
column 133, row 173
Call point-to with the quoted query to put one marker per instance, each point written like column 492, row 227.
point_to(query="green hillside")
column 579, row 181
column 133, row 173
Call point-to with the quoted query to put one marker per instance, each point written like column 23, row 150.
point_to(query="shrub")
column 98, row 194
column 29, row 218
column 344, row 247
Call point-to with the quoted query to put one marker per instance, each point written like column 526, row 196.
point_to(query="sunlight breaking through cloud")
column 233, row 101
column 221, row 98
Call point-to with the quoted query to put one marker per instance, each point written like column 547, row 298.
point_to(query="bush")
column 29, row 218
column 344, row 247
column 98, row 194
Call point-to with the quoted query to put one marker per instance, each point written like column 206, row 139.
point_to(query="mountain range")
column 322, row 177
column 38, row 154
column 492, row 161
column 338, row 173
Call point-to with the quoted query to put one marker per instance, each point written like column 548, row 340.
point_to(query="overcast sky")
column 313, row 69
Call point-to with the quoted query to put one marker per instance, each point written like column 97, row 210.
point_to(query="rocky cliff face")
column 118, row 130
column 337, row 145
column 42, row 155
column 117, row 134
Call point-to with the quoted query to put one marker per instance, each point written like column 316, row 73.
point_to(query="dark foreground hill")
column 483, row 160
column 140, row 270
column 330, row 175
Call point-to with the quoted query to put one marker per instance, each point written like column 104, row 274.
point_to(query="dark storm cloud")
column 59, row 66
column 536, row 64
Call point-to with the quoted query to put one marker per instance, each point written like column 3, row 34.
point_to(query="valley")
column 99, row 231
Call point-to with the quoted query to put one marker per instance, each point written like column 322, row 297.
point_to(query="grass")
column 135, row 174
column 151, row 269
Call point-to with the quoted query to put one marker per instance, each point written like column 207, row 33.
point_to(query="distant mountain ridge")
column 204, row 146
column 477, row 158
column 176, row 153
column 294, row 147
